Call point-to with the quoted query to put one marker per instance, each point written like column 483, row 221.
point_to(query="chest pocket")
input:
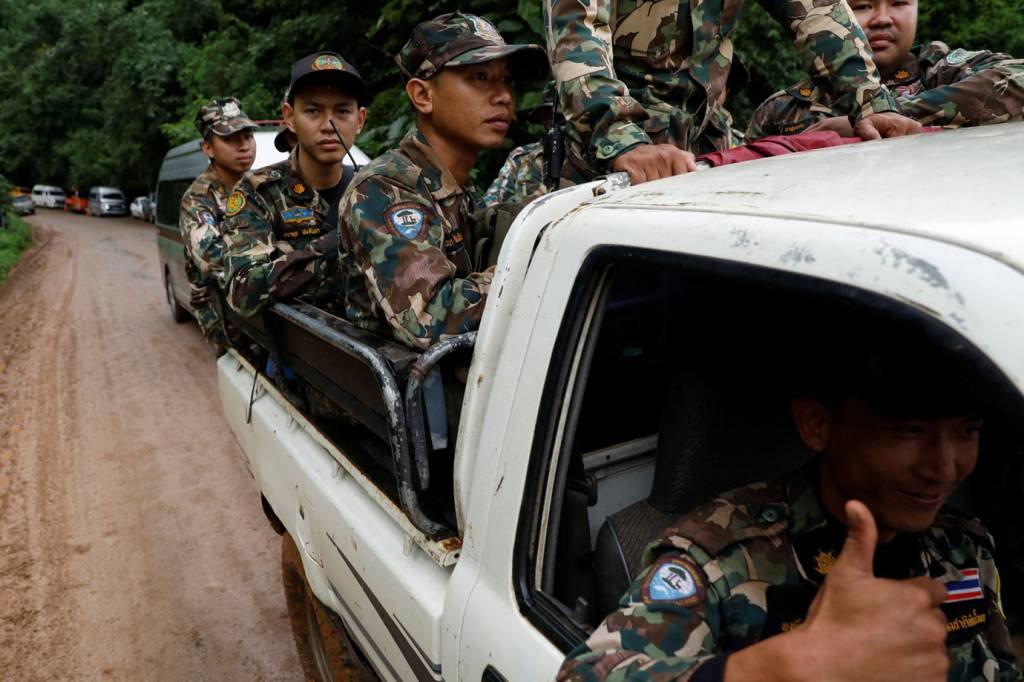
column 786, row 607
column 650, row 28
column 297, row 223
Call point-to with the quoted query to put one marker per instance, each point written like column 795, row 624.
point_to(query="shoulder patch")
column 236, row 202
column 754, row 510
column 675, row 579
column 958, row 56
column 407, row 219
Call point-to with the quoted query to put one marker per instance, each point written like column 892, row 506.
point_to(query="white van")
column 181, row 166
column 105, row 201
column 48, row 196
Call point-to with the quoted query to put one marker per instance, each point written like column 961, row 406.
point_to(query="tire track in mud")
column 132, row 544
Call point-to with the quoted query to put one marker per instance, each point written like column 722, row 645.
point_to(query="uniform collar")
column 805, row 511
column 910, row 72
column 441, row 182
column 294, row 184
column 213, row 180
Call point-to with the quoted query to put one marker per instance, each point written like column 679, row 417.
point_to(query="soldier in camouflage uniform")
column 792, row 579
column 280, row 232
column 641, row 80
column 932, row 84
column 521, row 178
column 408, row 252
column 228, row 141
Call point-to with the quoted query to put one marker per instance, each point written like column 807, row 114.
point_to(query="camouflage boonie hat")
column 222, row 117
column 458, row 39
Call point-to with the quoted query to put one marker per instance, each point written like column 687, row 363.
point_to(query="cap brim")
column 281, row 142
column 530, row 61
column 349, row 82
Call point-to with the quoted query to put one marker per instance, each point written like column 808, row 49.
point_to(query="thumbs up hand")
column 860, row 627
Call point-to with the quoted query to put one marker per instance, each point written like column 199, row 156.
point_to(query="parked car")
column 105, row 201
column 22, row 204
column 75, row 203
column 180, row 167
column 140, row 207
column 636, row 357
column 48, row 196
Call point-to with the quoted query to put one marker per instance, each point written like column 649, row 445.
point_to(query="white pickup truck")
column 635, row 358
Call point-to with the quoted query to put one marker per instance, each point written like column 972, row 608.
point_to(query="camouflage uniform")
column 936, row 86
column 408, row 249
column 276, row 242
column 655, row 71
column 202, row 210
column 521, row 177
column 747, row 566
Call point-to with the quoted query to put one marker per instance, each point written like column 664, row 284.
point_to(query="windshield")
column 57, row 192
column 111, row 195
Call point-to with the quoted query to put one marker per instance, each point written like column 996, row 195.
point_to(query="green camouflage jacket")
column 202, row 210
column 639, row 71
column 937, row 86
column 521, row 177
column 276, row 245
column 407, row 247
column 747, row 566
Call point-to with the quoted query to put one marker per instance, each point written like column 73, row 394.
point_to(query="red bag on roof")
column 777, row 145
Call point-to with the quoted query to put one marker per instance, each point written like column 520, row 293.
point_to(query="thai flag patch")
column 968, row 587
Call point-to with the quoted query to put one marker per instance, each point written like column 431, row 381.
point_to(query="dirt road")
column 132, row 544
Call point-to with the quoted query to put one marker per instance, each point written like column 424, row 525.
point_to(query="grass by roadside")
column 14, row 239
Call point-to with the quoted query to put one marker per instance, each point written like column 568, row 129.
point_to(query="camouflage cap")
column 457, row 39
column 222, row 117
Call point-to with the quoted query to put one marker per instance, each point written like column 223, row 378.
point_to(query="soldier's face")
column 904, row 470
column 473, row 105
column 316, row 105
column 235, row 153
column 891, row 26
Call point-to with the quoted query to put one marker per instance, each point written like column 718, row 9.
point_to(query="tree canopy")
column 95, row 93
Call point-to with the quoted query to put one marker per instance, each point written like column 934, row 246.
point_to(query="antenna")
column 347, row 150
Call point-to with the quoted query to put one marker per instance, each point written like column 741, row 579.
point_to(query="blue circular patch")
column 672, row 582
column 407, row 221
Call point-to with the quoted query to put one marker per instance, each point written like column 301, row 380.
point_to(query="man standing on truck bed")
column 932, row 84
column 853, row 568
column 280, row 232
column 228, row 141
column 643, row 83
column 408, row 253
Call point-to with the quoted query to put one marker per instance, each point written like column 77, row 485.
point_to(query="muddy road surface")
column 132, row 544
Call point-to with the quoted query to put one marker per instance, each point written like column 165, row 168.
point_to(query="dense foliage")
column 95, row 93
column 14, row 238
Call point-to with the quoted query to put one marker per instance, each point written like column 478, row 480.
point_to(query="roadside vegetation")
column 96, row 92
column 14, row 239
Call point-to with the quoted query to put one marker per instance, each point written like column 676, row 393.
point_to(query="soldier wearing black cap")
column 856, row 567
column 280, row 230
column 408, row 255
column 228, row 142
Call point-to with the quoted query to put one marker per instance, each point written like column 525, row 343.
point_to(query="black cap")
column 900, row 379
column 330, row 64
